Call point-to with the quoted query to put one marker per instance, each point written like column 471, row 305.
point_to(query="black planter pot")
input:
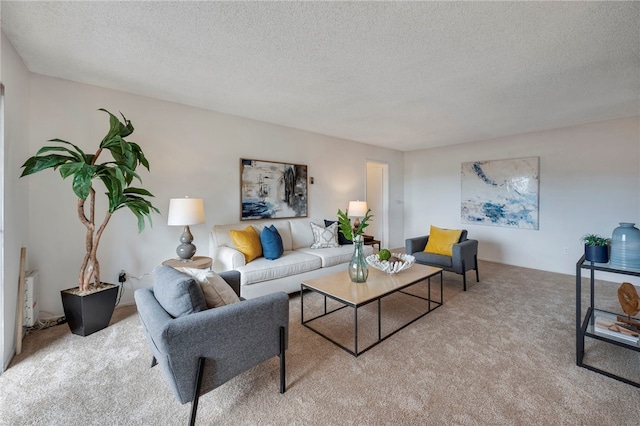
column 598, row 254
column 90, row 313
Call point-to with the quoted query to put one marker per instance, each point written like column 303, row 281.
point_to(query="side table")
column 371, row 241
column 197, row 262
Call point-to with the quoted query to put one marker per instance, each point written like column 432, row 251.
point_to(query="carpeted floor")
column 503, row 353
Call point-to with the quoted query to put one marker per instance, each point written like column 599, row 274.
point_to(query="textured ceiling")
column 405, row 75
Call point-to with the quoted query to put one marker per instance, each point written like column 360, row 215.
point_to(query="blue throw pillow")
column 271, row 242
column 342, row 240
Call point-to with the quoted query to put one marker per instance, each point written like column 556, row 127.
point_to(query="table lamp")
column 357, row 209
column 184, row 212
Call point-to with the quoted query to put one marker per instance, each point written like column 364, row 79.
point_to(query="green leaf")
column 77, row 148
column 363, row 223
column 37, row 164
column 69, row 168
column 138, row 191
column 140, row 207
column 111, row 143
column 129, row 174
column 82, row 181
column 45, row 149
column 139, row 154
column 116, row 127
column 114, row 182
column 345, row 225
column 128, row 127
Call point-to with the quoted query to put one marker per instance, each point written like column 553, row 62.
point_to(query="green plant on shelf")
column 595, row 240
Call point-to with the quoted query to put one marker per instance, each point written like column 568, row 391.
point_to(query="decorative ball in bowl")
column 392, row 266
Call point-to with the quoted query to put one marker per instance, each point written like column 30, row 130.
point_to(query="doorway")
column 378, row 201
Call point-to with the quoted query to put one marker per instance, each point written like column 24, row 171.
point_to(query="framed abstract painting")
column 501, row 192
column 270, row 190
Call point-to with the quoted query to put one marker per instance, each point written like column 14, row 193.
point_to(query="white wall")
column 15, row 77
column 192, row 152
column 589, row 181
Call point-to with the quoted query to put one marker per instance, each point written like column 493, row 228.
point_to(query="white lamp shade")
column 186, row 211
column 357, row 208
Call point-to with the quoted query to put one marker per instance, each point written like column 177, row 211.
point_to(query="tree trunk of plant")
column 86, row 268
column 90, row 269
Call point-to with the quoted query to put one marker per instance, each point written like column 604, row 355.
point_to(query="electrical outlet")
column 566, row 250
column 122, row 277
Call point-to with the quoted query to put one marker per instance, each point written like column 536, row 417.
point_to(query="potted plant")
column 88, row 307
column 358, row 269
column 596, row 248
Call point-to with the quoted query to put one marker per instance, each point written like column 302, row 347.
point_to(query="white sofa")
column 298, row 263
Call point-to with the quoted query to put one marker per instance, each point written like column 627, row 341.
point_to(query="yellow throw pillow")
column 441, row 241
column 247, row 242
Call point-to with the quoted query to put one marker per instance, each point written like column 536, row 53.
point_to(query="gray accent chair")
column 464, row 256
column 199, row 349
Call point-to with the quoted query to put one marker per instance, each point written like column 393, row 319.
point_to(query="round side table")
column 197, row 262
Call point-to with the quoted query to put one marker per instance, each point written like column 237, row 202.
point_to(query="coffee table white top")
column 378, row 284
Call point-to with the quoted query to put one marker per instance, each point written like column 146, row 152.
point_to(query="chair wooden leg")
column 282, row 360
column 196, row 392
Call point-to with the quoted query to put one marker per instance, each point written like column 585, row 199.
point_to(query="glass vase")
column 358, row 268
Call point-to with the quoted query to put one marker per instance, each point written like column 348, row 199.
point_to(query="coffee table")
column 338, row 286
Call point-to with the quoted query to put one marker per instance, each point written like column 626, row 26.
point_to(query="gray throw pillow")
column 215, row 289
column 178, row 293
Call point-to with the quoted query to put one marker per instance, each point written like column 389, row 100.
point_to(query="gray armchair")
column 464, row 257
column 199, row 349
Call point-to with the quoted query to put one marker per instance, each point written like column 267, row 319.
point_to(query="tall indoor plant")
column 358, row 268
column 116, row 173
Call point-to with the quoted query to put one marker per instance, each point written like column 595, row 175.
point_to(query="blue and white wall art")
column 272, row 190
column 501, row 192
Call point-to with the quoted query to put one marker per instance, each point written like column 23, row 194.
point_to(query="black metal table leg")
column 355, row 331
column 429, row 293
column 379, row 321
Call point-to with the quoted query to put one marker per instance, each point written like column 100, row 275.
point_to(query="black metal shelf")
column 585, row 327
column 606, row 267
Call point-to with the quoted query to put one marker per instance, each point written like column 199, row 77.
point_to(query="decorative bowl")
column 405, row 262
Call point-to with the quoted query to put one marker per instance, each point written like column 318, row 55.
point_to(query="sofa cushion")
column 433, row 259
column 301, row 234
column 178, row 293
column 324, row 237
column 342, row 240
column 290, row 263
column 283, row 228
column 215, row 289
column 335, row 256
column 247, row 242
column 271, row 243
column 441, row 241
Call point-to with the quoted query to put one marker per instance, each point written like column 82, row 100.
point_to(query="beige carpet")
column 503, row 353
